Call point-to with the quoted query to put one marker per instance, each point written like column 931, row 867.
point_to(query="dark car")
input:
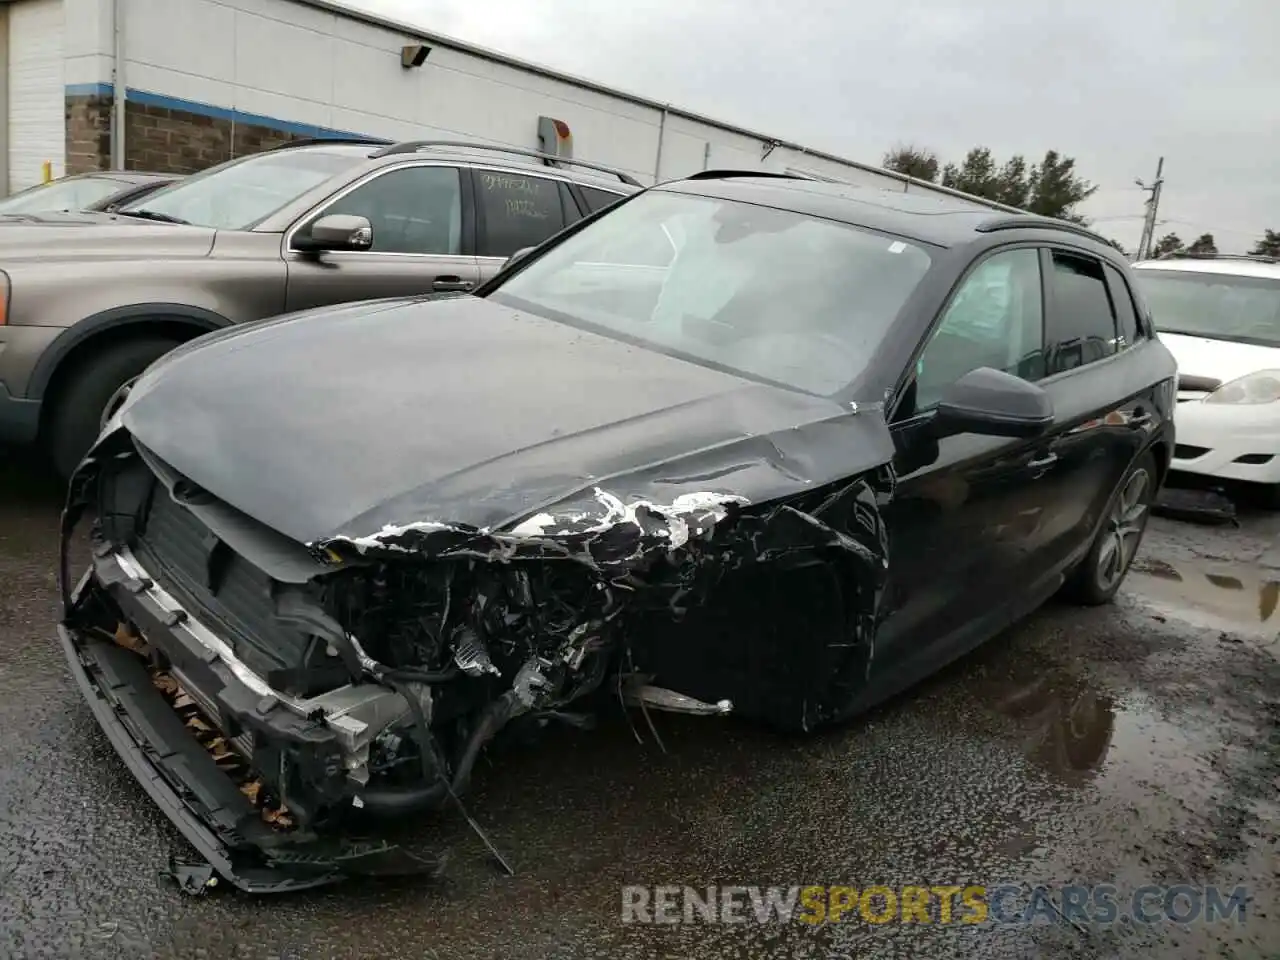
column 738, row 443
column 102, row 191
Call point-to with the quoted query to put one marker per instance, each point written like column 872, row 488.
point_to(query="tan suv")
column 91, row 299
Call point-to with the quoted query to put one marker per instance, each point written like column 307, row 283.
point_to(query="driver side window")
column 415, row 209
column 995, row 319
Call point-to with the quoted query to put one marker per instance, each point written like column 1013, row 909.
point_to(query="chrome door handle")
column 1048, row 461
column 445, row 284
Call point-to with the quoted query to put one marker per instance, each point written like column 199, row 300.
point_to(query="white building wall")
column 34, row 111
column 304, row 65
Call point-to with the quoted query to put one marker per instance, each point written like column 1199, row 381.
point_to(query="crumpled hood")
column 87, row 235
column 340, row 423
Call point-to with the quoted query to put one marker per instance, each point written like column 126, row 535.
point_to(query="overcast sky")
column 1113, row 83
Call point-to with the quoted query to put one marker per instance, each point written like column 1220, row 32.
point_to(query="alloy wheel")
column 115, row 402
column 1123, row 529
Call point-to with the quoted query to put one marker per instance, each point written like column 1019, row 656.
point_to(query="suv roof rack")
column 726, row 173
column 312, row 141
column 1033, row 221
column 1188, row 255
column 413, row 146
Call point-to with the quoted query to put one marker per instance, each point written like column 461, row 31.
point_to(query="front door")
column 421, row 244
column 967, row 508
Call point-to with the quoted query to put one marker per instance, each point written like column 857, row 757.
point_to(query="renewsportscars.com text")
column 937, row 904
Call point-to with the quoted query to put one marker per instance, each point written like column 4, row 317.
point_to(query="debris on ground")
column 1196, row 506
column 193, row 877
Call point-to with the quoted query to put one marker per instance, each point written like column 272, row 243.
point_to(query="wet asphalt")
column 1133, row 744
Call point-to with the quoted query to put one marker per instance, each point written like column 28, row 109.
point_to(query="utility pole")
column 1153, row 203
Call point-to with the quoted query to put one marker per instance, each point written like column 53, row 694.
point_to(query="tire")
column 1090, row 584
column 76, row 418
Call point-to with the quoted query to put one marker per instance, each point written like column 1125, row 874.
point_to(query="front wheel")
column 80, row 408
column 1099, row 575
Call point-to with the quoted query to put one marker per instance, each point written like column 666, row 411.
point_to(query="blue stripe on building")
column 148, row 99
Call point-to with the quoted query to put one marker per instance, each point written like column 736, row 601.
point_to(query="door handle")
column 1045, row 461
column 445, row 284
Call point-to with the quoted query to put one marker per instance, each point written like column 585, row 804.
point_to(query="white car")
column 1220, row 317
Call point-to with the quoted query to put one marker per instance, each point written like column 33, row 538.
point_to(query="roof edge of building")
column 494, row 56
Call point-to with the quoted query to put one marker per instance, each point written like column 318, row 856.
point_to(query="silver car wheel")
column 114, row 403
column 1124, row 529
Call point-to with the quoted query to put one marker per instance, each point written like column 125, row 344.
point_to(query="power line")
column 1207, row 228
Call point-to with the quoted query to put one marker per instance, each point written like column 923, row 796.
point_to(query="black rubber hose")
column 432, row 792
column 494, row 719
column 399, row 801
column 403, row 801
column 411, row 675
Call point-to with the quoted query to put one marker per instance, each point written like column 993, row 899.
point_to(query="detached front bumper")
column 177, row 772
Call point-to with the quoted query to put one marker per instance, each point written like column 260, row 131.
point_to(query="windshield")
column 74, row 194
column 775, row 295
column 1214, row 305
column 239, row 194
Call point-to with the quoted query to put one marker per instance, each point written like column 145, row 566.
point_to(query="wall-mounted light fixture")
column 413, row 55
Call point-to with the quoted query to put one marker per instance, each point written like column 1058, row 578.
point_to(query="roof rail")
column 1032, row 221
column 413, row 146
column 1189, row 255
column 726, row 173
column 312, row 141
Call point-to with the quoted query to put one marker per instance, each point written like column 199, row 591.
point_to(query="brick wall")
column 159, row 139
column 88, row 133
column 174, row 141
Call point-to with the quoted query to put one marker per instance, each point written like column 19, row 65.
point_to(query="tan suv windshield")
column 239, row 194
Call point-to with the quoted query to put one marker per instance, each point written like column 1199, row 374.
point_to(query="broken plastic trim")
column 611, row 537
column 670, row 558
column 154, row 744
column 669, row 561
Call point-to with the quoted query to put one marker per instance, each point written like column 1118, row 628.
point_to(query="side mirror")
column 523, row 251
column 994, row 404
column 337, row 231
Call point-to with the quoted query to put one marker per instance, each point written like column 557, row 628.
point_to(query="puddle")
column 1224, row 596
column 1067, row 726
column 1079, row 731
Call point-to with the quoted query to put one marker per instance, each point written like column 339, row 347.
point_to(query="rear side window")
column 1122, row 298
column 598, row 199
column 1082, row 323
column 516, row 211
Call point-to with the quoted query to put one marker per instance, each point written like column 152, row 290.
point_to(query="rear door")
column 516, row 209
column 1103, row 393
column 423, row 239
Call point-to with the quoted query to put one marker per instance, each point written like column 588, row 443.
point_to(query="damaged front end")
column 279, row 698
